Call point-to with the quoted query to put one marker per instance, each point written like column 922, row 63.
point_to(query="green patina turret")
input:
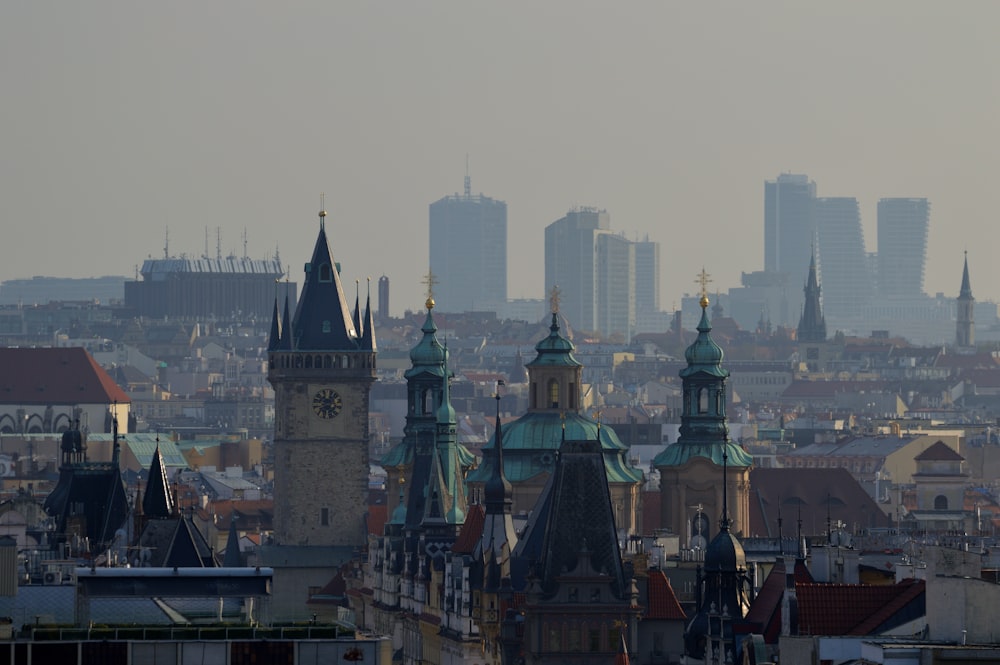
column 704, row 431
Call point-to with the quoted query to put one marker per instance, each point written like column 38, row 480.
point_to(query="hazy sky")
column 121, row 120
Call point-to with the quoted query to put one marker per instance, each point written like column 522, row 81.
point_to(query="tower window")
column 572, row 395
column 702, row 400
column 940, row 502
column 326, row 326
column 324, row 517
column 325, row 274
column 553, row 394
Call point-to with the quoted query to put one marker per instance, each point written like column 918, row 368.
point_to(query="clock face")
column 327, row 403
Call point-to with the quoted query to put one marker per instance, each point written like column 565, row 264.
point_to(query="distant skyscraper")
column 571, row 263
column 842, row 263
column 383, row 298
column 468, row 251
column 789, row 234
column 902, row 246
column 604, row 279
column 788, row 224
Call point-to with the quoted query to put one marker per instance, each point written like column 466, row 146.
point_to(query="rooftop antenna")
column 205, row 255
column 218, row 243
column 166, row 243
column 468, row 180
column 244, row 242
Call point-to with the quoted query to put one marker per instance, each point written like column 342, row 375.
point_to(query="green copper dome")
column 704, row 355
column 531, row 442
column 428, row 355
column 555, row 349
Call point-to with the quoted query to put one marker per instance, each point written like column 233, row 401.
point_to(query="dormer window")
column 325, row 273
column 326, row 326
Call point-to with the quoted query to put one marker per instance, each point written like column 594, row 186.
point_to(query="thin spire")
column 725, row 491
column 368, row 334
column 322, row 211
column 357, row 307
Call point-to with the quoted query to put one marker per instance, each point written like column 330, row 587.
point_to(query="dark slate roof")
column 580, row 520
column 99, row 488
column 157, row 500
column 323, row 319
column 813, row 494
column 174, row 542
column 939, row 451
column 55, row 376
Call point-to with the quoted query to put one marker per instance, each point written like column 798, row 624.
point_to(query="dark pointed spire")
column 725, row 522
column 497, row 491
column 285, row 338
column 231, row 558
column 158, row 502
column 274, row 339
column 966, row 290
column 357, row 308
column 812, row 325
column 368, row 332
column 323, row 319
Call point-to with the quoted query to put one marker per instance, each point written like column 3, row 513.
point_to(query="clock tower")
column 321, row 363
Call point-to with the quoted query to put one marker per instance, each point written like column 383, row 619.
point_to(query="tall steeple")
column 322, row 376
column 499, row 536
column 812, row 325
column 689, row 485
column 965, row 334
column 158, row 501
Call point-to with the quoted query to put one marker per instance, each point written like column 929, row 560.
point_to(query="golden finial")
column 322, row 205
column 430, row 280
column 554, row 299
column 703, row 280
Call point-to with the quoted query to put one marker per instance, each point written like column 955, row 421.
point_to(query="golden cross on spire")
column 430, row 280
column 554, row 298
column 322, row 206
column 703, row 280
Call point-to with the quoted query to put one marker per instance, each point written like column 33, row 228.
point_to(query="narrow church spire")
column 368, row 333
column 812, row 325
column 965, row 334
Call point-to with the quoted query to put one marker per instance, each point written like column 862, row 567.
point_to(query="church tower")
column 693, row 482
column 322, row 368
column 812, row 325
column 965, row 335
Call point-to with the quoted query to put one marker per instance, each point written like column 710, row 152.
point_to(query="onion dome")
column 428, row 350
column 704, row 355
column 555, row 349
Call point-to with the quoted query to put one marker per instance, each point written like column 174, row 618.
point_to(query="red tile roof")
column 663, row 603
column 852, row 609
column 471, row 531
column 55, row 376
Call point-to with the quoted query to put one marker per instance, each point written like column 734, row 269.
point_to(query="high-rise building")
column 383, row 298
column 468, row 251
column 789, row 227
column 902, row 246
column 604, row 279
column 841, row 259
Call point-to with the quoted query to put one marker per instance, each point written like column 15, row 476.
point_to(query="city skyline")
column 132, row 120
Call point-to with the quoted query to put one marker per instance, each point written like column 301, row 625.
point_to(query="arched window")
column 325, row 274
column 553, row 394
column 702, row 400
column 940, row 502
